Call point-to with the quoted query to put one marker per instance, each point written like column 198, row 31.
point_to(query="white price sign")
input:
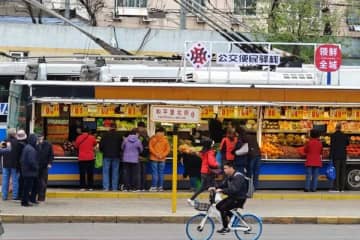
column 175, row 114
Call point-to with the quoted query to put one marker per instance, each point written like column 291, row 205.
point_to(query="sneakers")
column 191, row 202
column 160, row 189
column 223, row 230
column 153, row 189
column 82, row 189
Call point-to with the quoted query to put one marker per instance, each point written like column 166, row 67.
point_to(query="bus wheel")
column 353, row 179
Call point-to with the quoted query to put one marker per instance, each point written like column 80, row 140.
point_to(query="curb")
column 182, row 195
column 170, row 219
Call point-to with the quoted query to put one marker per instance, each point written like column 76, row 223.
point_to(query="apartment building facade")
column 241, row 15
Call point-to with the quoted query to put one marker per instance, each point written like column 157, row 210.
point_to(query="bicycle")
column 201, row 226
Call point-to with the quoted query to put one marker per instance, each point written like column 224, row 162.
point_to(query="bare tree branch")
column 32, row 14
column 92, row 8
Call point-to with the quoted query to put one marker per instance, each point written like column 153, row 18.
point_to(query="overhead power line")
column 97, row 40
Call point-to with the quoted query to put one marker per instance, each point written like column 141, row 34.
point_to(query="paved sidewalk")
column 277, row 207
column 262, row 194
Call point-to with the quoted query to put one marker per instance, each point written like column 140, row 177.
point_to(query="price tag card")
column 207, row 112
column 227, row 112
column 50, row 110
column 247, row 112
column 338, row 114
column 78, row 110
column 315, row 114
column 272, row 113
column 355, row 114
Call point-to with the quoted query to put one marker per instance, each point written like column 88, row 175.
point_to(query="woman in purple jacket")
column 132, row 148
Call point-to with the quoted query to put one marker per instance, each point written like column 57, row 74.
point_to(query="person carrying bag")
column 241, row 151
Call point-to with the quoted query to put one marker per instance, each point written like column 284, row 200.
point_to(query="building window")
column 245, row 7
column 132, row 3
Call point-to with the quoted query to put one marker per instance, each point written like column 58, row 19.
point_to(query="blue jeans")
column 312, row 174
column 113, row 164
column 157, row 173
column 7, row 172
column 241, row 163
column 254, row 169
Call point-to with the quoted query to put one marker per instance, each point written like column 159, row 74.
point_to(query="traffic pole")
column 174, row 174
column 328, row 78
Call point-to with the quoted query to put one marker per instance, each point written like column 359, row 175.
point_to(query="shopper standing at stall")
column 10, row 161
column 22, row 141
column 110, row 146
column 254, row 158
column 46, row 157
column 29, row 162
column 85, row 143
column 313, row 150
column 227, row 145
column 144, row 155
column 159, row 149
column 241, row 151
column 338, row 155
column 132, row 148
column 192, row 164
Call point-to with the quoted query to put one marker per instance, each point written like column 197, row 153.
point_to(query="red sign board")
column 328, row 57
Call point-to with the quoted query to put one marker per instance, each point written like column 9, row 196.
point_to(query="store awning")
column 197, row 94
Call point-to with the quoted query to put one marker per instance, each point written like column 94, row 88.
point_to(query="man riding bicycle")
column 235, row 186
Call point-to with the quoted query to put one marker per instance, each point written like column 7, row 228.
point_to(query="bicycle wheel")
column 255, row 225
column 193, row 230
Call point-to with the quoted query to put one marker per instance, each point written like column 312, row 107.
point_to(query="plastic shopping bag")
column 330, row 171
column 218, row 197
column 98, row 159
column 219, row 158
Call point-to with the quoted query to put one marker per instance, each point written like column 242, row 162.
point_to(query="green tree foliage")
column 300, row 21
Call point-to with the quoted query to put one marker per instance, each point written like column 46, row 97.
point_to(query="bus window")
column 18, row 99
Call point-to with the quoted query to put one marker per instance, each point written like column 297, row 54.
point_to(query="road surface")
column 97, row 231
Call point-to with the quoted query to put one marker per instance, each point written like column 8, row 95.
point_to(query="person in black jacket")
column 9, row 167
column 110, row 146
column 338, row 155
column 254, row 158
column 46, row 157
column 235, row 187
column 192, row 166
column 241, row 161
column 22, row 141
column 30, row 169
column 144, row 155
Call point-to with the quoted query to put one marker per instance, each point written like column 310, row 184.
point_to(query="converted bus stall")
column 281, row 116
